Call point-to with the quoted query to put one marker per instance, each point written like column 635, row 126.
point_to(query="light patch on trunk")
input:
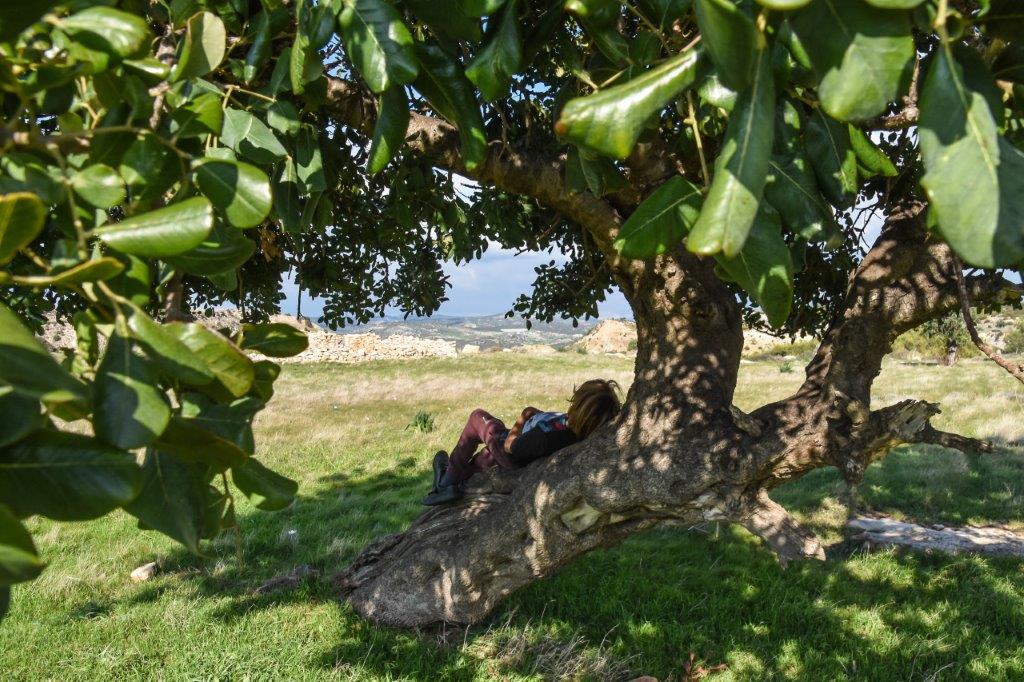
column 581, row 517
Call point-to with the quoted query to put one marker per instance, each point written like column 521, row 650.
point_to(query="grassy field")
column 644, row 607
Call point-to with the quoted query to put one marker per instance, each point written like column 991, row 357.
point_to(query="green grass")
column 639, row 608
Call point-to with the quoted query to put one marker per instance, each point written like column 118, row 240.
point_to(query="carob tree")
column 722, row 163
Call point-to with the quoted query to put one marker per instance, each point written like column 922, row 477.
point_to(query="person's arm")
column 517, row 428
column 537, row 443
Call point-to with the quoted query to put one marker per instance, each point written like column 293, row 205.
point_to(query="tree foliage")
column 201, row 149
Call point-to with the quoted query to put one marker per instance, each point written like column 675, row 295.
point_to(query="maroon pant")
column 481, row 429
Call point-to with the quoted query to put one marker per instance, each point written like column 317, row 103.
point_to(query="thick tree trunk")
column 679, row 451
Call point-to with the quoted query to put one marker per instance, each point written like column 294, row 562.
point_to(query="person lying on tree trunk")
column 535, row 434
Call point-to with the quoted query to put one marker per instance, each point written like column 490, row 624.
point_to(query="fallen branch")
column 989, row 541
column 1015, row 370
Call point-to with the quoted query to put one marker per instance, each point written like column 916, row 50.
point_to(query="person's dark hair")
column 593, row 403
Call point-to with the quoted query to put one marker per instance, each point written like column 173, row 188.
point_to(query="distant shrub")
column 800, row 348
column 422, row 422
column 632, row 345
column 1013, row 342
column 933, row 339
column 786, row 367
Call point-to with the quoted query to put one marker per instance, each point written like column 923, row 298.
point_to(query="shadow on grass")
column 648, row 603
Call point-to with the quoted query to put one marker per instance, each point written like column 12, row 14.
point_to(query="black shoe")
column 440, row 466
column 448, row 493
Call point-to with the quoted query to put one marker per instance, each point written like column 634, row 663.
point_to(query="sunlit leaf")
column 161, row 233
column 378, row 42
column 203, row 48
column 21, row 220
column 131, row 411
column 661, row 221
column 276, row 339
column 862, row 56
column 741, row 169
column 974, row 178
column 266, row 489
column 610, row 121
column 240, row 191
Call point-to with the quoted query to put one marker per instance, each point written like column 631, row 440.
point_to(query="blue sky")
column 483, row 287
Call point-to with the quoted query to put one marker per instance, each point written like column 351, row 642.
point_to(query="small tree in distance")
column 717, row 161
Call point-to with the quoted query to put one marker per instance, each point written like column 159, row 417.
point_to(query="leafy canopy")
column 202, row 149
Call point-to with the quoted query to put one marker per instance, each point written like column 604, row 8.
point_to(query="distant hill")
column 486, row 331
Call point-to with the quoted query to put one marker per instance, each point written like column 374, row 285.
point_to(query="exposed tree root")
column 885, row 532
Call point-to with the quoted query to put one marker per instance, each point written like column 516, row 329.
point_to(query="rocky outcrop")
column 609, row 336
column 327, row 346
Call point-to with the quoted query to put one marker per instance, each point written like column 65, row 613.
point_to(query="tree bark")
column 679, row 450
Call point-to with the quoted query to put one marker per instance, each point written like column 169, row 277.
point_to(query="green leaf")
column 869, row 155
column 231, row 369
column 378, row 43
column 133, row 282
column 445, row 21
column 283, row 117
column 163, row 346
column 974, row 178
column 15, row 17
column 19, row 561
column 266, row 373
column 161, row 233
column 131, row 411
column 173, row 497
column 238, row 190
column 1004, row 20
column 479, row 8
column 189, row 440
column 96, row 270
column 390, row 128
column 232, row 422
column 66, row 476
column 203, row 48
column 783, row 4
column 588, row 172
column 19, row 415
column 862, row 56
column 596, row 12
column 266, row 489
column 501, row 58
column 731, row 40
column 224, row 250
column 791, row 188
column 199, row 117
column 610, row 121
column 259, row 50
column 661, row 221
column 895, row 4
column 832, row 158
column 276, row 340
column 309, row 161
column 451, row 95
column 250, row 137
column 100, row 185
column 764, row 268
column 22, row 216
column 286, row 198
column 1009, row 65
column 741, row 169
column 109, row 30
column 150, row 168
column 28, row 367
